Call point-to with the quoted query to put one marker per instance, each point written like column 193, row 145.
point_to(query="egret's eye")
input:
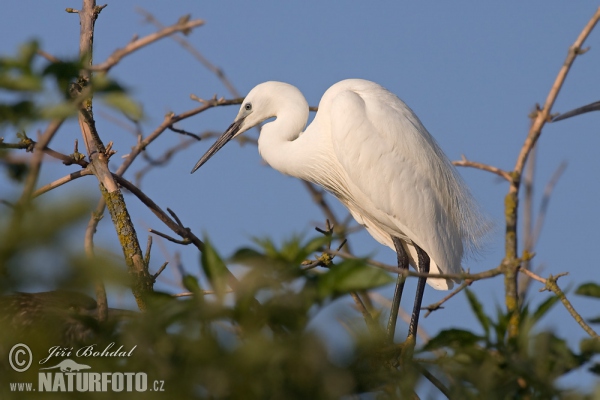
column 248, row 107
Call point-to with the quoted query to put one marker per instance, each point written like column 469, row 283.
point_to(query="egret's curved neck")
column 281, row 144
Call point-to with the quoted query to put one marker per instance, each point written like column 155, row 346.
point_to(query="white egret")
column 367, row 148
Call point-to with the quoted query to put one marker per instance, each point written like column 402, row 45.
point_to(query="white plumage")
column 370, row 150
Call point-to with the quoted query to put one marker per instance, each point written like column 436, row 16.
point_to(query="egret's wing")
column 397, row 175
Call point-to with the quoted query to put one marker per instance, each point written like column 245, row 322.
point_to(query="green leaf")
column 589, row 346
column 589, row 289
column 61, row 110
column 351, row 275
column 23, row 83
column 452, row 338
column 250, row 258
column 594, row 320
column 544, row 308
column 64, row 73
column 477, row 308
column 215, row 269
column 125, row 104
column 191, row 283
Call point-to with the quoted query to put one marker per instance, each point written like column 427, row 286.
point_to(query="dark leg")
column 402, row 265
column 423, row 268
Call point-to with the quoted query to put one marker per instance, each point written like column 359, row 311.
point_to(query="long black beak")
column 222, row 141
column 581, row 110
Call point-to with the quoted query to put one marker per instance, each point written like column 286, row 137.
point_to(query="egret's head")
column 260, row 104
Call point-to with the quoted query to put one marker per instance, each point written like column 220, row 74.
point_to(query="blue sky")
column 472, row 72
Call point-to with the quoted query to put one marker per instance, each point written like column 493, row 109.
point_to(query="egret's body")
column 366, row 147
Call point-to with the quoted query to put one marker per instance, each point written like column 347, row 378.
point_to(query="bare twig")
column 543, row 115
column 184, row 132
column 532, row 236
column 318, row 197
column 390, row 268
column 494, row 170
column 61, row 181
column 386, row 303
column 160, row 270
column 436, row 306
column 170, row 238
column 100, row 289
column 47, row 56
column 194, row 52
column 540, row 117
column 36, row 160
column 118, row 54
column 528, row 183
column 550, row 284
column 168, row 121
column 205, row 292
column 539, row 222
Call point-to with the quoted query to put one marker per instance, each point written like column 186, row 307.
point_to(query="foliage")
column 23, row 80
column 230, row 345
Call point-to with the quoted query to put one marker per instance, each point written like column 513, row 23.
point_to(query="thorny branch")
column 98, row 156
column 550, row 284
column 183, row 25
column 540, row 118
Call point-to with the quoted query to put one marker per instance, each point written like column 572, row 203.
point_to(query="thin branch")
column 169, row 120
column 100, row 289
column 540, row 117
column 436, row 306
column 532, row 236
column 386, row 303
column 36, row 160
column 319, row 199
column 539, row 222
column 160, row 270
column 184, row 132
column 205, row 292
column 394, row 269
column 434, row 380
column 170, row 238
column 186, row 45
column 61, row 181
column 543, row 115
column 550, row 284
column 528, row 185
column 118, row 54
column 494, row 170
column 372, row 324
column 47, row 56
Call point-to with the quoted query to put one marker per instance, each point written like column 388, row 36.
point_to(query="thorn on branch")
column 535, row 112
column 160, row 270
column 108, row 152
column 176, row 218
column 182, row 21
column 99, row 9
column 148, row 248
column 184, row 242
